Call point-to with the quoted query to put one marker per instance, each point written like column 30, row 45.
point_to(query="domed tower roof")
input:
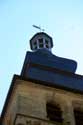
column 41, row 40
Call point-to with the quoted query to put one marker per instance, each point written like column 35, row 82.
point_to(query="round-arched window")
column 54, row 112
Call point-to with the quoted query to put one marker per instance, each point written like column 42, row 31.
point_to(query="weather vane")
column 38, row 27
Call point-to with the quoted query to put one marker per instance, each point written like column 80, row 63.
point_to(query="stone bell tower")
column 48, row 92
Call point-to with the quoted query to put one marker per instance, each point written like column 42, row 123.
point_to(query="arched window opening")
column 78, row 114
column 54, row 112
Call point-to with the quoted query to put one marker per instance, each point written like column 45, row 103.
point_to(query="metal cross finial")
column 38, row 27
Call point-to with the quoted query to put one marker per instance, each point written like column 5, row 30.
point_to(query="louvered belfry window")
column 78, row 114
column 54, row 112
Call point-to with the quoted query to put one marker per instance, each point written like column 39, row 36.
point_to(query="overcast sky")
column 61, row 19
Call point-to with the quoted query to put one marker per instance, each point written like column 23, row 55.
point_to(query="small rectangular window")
column 41, row 41
column 34, row 45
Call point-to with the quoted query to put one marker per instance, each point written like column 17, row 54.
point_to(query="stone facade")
column 27, row 104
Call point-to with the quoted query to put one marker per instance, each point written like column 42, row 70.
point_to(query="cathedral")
column 47, row 92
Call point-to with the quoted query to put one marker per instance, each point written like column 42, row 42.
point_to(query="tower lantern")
column 41, row 41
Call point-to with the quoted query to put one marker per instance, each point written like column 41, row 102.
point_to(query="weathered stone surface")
column 30, row 99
